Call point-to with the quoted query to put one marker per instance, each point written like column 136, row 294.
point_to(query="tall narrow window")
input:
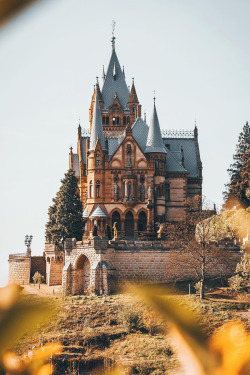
column 129, row 189
column 107, row 120
column 124, row 120
column 98, row 159
column 156, row 163
column 91, row 189
column 167, row 192
column 117, row 120
column 113, row 120
column 97, row 189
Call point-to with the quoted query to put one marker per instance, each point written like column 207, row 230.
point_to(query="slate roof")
column 97, row 128
column 191, row 161
column 154, row 140
column 98, row 212
column 115, row 83
column 85, row 213
column 140, row 132
column 173, row 165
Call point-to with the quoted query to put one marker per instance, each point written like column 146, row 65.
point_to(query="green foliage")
column 38, row 278
column 65, row 215
column 242, row 277
column 238, row 187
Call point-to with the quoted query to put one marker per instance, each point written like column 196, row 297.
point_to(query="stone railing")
column 177, row 133
column 18, row 255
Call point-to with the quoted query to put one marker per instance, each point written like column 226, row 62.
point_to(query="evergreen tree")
column 238, row 186
column 65, row 215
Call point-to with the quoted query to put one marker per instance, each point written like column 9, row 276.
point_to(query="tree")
column 197, row 237
column 238, row 187
column 65, row 215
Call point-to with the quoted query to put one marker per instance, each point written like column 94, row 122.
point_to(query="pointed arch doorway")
column 129, row 225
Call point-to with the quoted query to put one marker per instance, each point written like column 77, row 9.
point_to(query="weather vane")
column 113, row 34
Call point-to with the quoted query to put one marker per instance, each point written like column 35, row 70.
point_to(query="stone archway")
column 82, row 275
column 129, row 224
column 142, row 222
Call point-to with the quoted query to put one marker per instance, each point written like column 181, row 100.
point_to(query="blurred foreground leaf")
column 226, row 353
column 16, row 317
column 10, row 8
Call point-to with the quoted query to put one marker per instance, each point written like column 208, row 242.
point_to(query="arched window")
column 97, row 189
column 91, row 189
column 98, row 159
column 117, row 120
column 167, row 192
column 107, row 120
column 156, row 163
column 124, row 120
column 133, row 109
column 128, row 120
column 113, row 120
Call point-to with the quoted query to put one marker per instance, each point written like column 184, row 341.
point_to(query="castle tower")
column 119, row 106
column 156, row 153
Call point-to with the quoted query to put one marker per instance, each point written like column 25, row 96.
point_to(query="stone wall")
column 19, row 269
column 38, row 264
column 106, row 266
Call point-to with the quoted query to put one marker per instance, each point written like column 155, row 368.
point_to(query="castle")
column 131, row 175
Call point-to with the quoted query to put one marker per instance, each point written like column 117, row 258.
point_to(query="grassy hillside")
column 103, row 331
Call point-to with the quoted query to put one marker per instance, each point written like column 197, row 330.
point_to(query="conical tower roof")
column 97, row 129
column 133, row 96
column 154, row 140
column 115, row 83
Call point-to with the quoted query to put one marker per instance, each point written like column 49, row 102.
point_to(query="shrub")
column 132, row 318
column 38, row 278
column 151, row 321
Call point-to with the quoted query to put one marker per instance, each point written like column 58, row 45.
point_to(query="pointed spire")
column 111, row 85
column 103, row 73
column 195, row 131
column 133, row 95
column 79, row 130
column 154, row 140
column 97, row 129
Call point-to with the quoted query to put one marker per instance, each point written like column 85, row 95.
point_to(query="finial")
column 97, row 80
column 195, row 123
column 145, row 118
column 133, row 80
column 103, row 73
column 71, row 149
column 113, row 34
column 154, row 97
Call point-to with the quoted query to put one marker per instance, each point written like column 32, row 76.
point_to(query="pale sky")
column 195, row 54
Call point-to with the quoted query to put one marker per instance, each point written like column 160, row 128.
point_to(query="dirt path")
column 44, row 291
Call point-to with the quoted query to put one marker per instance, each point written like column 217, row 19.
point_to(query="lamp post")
column 27, row 242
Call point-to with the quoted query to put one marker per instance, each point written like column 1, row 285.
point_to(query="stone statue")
column 115, row 231
column 149, row 193
column 160, row 230
column 116, row 188
column 129, row 161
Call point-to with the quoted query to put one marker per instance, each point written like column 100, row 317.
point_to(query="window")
column 107, row 120
column 124, row 120
column 117, row 120
column 113, row 120
column 133, row 109
column 128, row 120
column 156, row 163
column 98, row 159
column 91, row 189
column 129, row 189
column 97, row 189
column 167, row 192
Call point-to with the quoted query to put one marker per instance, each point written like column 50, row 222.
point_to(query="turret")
column 154, row 141
column 97, row 129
